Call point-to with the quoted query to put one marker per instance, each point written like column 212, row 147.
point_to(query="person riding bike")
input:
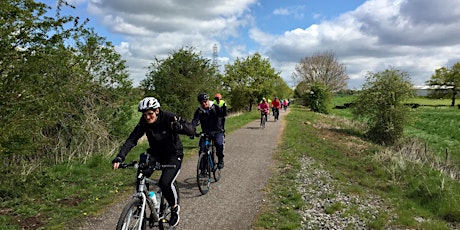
column 221, row 103
column 276, row 105
column 162, row 129
column 210, row 115
column 264, row 109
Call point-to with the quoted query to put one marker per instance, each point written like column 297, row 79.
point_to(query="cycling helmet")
column 203, row 97
column 263, row 99
column 218, row 96
column 148, row 103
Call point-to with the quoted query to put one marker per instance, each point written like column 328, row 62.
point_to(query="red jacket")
column 276, row 103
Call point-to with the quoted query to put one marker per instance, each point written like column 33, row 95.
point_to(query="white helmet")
column 148, row 103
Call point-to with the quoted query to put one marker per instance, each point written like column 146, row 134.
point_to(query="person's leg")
column 202, row 145
column 219, row 143
column 170, row 192
column 166, row 182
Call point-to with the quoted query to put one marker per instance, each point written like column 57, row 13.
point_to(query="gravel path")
column 233, row 201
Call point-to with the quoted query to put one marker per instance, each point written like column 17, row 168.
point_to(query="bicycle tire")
column 129, row 218
column 264, row 119
column 216, row 171
column 203, row 173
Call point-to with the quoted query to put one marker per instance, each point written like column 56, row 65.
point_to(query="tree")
column 177, row 80
column 380, row 104
column 249, row 80
column 58, row 101
column 447, row 77
column 322, row 68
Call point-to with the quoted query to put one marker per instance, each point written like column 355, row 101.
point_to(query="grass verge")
column 418, row 195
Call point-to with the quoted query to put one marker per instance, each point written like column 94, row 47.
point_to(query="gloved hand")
column 117, row 160
column 176, row 126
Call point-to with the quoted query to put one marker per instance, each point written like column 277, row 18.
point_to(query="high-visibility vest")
column 220, row 104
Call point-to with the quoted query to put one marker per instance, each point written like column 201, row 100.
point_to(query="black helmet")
column 203, row 97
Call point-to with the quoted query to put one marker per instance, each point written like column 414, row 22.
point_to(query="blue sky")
column 417, row 36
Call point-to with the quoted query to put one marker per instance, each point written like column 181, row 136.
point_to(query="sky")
column 417, row 36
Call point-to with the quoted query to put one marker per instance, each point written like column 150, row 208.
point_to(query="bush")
column 319, row 98
column 380, row 105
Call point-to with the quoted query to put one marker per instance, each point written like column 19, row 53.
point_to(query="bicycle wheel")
column 264, row 119
column 130, row 216
column 216, row 170
column 203, row 173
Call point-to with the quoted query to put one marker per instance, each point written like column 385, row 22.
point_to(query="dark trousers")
column 167, row 178
column 218, row 142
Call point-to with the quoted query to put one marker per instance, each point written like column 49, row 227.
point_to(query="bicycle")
column 134, row 214
column 207, row 164
column 263, row 118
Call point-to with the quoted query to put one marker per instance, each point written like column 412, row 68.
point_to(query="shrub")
column 319, row 98
column 380, row 105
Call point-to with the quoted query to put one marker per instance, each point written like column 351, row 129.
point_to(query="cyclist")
column 221, row 103
column 285, row 104
column 276, row 105
column 264, row 109
column 162, row 129
column 210, row 115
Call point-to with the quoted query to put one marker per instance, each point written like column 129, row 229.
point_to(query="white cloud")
column 416, row 36
column 281, row 11
column 378, row 35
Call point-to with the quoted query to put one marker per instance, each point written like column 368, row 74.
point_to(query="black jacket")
column 210, row 119
column 163, row 142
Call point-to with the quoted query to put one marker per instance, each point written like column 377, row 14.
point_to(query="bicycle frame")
column 207, row 156
column 210, row 151
column 142, row 188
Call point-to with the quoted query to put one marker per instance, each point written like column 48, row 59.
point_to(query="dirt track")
column 234, row 201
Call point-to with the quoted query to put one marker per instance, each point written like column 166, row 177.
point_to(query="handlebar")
column 135, row 164
column 204, row 134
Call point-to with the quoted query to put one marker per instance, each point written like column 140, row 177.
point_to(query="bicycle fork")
column 141, row 216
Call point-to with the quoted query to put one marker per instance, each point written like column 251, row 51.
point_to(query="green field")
column 435, row 122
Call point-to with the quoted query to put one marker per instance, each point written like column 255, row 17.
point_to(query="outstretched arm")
column 181, row 126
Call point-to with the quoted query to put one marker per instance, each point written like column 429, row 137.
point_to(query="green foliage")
column 319, row 98
column 177, row 80
column 64, row 90
column 448, row 78
column 380, row 104
column 249, row 80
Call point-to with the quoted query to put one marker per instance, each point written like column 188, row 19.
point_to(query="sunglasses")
column 203, row 102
